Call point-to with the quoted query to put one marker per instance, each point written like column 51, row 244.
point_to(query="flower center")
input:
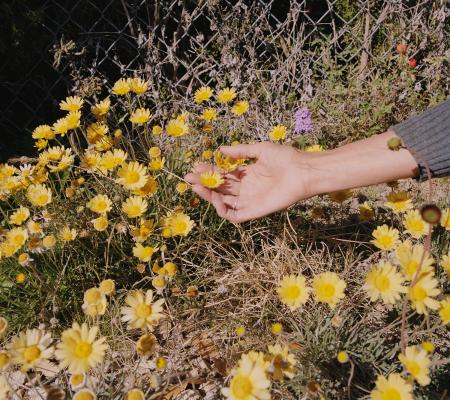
column 31, row 353
column 83, row 349
column 412, row 267
column 93, row 296
column 143, row 310
column 418, row 293
column 293, row 292
column 391, row 394
column 132, row 177
column 42, row 199
column 386, row 241
column 180, row 226
column 413, row 368
column 241, row 387
column 382, row 283
column 327, row 290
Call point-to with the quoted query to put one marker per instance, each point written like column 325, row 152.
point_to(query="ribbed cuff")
column 427, row 136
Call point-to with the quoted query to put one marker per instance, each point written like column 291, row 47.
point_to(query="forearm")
column 362, row 163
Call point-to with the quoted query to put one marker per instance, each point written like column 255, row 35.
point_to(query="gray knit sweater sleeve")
column 427, row 136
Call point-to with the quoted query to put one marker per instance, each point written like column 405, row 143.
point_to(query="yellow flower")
column 240, row 331
column 154, row 152
column 135, row 394
column 121, row 87
column 249, row 381
column 383, row 281
column 71, row 103
column 134, row 206
column 392, row 388
column 141, row 312
column 96, row 132
column 157, row 164
column 240, row 107
column 43, row 132
column 143, row 231
column 140, row 116
column 107, row 287
column 157, row 130
column 39, row 195
column 328, row 288
column 113, row 159
column 85, row 394
column 398, row 202
column 100, row 223
column 366, row 212
column 444, row 311
column 137, row 85
column 61, row 126
column 144, row 253
column 161, row 363
column 210, row 114
column 203, row 94
column 340, row 195
column 132, row 175
column 226, row 163
column 35, row 228
column 414, row 224
column 342, row 357
column 159, row 282
column 293, row 291
column 276, row 328
column 314, row 148
column 100, row 204
column 428, row 347
column 20, row 278
column 445, row 219
column 49, row 241
column 226, row 95
column 94, row 302
column 417, row 363
column 282, row 362
column 3, row 326
column 5, row 361
column 146, row 345
column 178, row 224
column 445, row 262
column 211, row 179
column 409, row 258
column 278, row 133
column 385, row 238
column 19, row 216
column 73, row 120
column 17, row 237
column 207, row 154
column 77, row 381
column 24, row 259
column 78, row 350
column 422, row 292
column 66, row 234
column 182, row 187
column 177, row 128
column 31, row 349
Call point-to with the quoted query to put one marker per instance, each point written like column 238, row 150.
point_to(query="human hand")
column 277, row 178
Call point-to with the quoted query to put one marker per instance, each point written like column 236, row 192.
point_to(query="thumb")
column 242, row 150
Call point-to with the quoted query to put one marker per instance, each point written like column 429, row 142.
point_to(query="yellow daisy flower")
column 278, row 133
column 210, row 114
column 445, row 219
column 66, row 234
column 77, row 381
column 416, row 362
column 157, row 130
column 342, row 357
column 240, row 107
column 366, row 212
column 154, row 152
column 383, row 281
column 135, row 394
column 17, row 237
column 85, row 394
column 422, row 292
column 141, row 312
column 121, row 87
column 134, row 206
column 211, row 179
column 96, row 132
column 137, row 85
column 100, row 223
column 282, row 363
column 276, row 328
column 39, row 195
column 385, row 238
column 30, row 349
column 157, row 164
column 94, row 302
column 19, row 216
column 409, row 258
column 143, row 231
column 293, row 291
column 146, row 345
column 71, row 103
column 328, row 288
column 43, row 132
column 394, row 387
column 226, row 95
column 203, row 94
column 444, row 310
column 398, row 202
column 177, row 128
column 100, row 204
column 415, row 225
column 78, row 350
column 140, row 116
column 178, row 224
column 132, row 175
column 144, row 253
column 226, row 163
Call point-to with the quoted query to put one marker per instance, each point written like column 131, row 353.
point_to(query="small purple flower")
column 303, row 121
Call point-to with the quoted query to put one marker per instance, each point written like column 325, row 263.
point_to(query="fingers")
column 242, row 150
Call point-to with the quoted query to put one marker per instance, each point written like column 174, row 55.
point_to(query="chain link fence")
column 53, row 47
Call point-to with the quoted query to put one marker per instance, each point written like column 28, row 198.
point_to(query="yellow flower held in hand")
column 417, row 363
column 140, row 116
column 293, row 291
column 328, row 288
column 278, row 133
column 134, row 206
column 398, row 202
column 392, row 388
column 203, row 94
column 385, row 238
column 211, row 179
column 78, row 349
column 422, row 292
column 141, row 312
column 383, row 281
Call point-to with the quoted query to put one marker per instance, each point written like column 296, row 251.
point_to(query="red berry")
column 412, row 62
column 401, row 48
